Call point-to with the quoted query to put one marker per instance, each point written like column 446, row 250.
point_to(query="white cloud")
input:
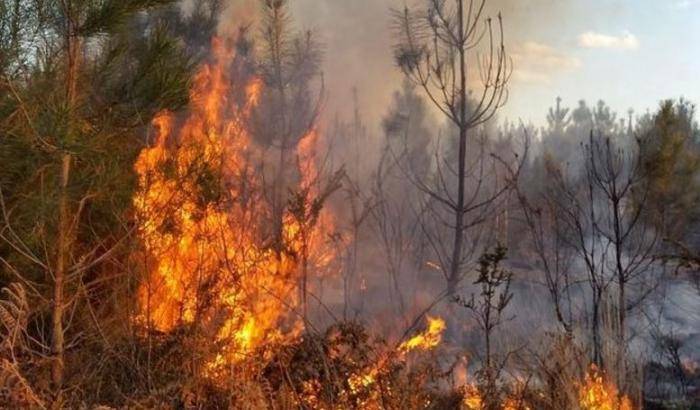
column 591, row 39
column 537, row 63
column 684, row 4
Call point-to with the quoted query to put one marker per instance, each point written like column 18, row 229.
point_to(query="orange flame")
column 595, row 393
column 426, row 340
column 324, row 251
column 472, row 400
column 200, row 209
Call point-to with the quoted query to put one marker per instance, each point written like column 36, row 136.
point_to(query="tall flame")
column 200, row 211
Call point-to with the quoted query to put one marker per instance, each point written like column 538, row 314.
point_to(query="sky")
column 630, row 53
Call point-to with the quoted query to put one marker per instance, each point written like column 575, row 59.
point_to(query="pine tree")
column 75, row 99
column 289, row 66
column 671, row 161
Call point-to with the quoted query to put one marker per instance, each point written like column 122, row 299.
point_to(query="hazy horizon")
column 629, row 53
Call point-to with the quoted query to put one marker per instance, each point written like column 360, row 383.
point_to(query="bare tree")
column 548, row 232
column 392, row 220
column 349, row 140
column 399, row 208
column 305, row 206
column 434, row 50
column 599, row 220
column 616, row 176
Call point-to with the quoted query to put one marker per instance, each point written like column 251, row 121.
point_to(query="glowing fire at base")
column 425, row 341
column 201, row 213
column 595, row 393
column 472, row 400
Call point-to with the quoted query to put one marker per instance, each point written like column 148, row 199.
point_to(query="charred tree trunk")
column 456, row 262
column 433, row 53
column 622, row 281
column 281, row 127
column 595, row 329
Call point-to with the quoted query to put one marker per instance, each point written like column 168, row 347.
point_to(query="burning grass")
column 598, row 393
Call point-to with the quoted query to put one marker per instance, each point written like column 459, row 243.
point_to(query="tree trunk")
column 621, row 370
column 57, row 336
column 455, row 264
column 597, row 348
column 65, row 228
column 304, row 280
column 622, row 279
column 282, row 129
column 278, row 202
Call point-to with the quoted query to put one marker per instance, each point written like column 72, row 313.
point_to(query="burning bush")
column 201, row 209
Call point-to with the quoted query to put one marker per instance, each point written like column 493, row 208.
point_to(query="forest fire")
column 200, row 207
column 594, row 393
column 366, row 204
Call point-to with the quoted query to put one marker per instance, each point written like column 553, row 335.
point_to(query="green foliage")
column 126, row 76
column 106, row 16
column 495, row 293
column 671, row 162
column 14, row 32
column 125, row 71
column 144, row 70
column 289, row 66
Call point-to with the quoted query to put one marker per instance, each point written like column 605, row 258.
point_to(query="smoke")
column 237, row 13
column 357, row 39
column 358, row 52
